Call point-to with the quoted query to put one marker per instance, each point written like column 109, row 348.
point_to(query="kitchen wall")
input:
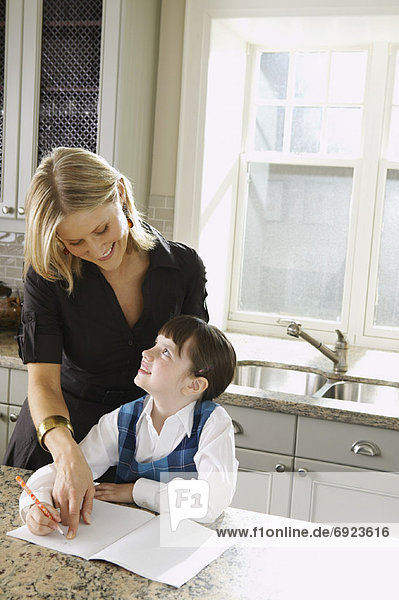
column 157, row 199
column 11, row 258
column 166, row 126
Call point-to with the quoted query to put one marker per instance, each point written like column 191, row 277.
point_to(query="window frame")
column 209, row 26
column 360, row 280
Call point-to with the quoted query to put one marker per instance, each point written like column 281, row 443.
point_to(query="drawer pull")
column 280, row 468
column 237, row 427
column 366, row 448
column 13, row 418
column 302, row 472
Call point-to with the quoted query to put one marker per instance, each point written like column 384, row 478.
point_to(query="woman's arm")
column 73, row 489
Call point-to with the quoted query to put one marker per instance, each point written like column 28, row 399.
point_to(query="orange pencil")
column 36, row 501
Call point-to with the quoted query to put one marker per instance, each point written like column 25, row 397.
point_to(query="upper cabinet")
column 66, row 77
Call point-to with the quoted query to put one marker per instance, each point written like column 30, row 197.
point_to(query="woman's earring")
column 65, row 251
column 126, row 213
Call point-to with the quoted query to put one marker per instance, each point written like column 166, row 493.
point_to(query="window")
column 318, row 205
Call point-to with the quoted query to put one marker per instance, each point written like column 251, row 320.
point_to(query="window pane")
column 311, row 76
column 343, row 131
column 387, row 305
column 269, row 128
column 295, row 240
column 306, row 125
column 273, row 75
column 70, row 74
column 348, row 77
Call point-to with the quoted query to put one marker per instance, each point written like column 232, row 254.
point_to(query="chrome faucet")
column 339, row 355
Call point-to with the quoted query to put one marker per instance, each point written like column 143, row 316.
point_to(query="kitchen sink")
column 278, row 379
column 354, row 391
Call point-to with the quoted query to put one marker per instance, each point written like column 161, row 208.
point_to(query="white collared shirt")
column 214, row 460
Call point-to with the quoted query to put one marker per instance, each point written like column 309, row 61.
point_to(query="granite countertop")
column 9, row 350
column 366, row 365
column 253, row 569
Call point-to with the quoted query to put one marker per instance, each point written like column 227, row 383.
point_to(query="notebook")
column 139, row 542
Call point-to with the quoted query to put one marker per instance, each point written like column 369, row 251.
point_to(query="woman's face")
column 99, row 235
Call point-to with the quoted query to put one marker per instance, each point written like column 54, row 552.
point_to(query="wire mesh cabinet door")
column 62, row 95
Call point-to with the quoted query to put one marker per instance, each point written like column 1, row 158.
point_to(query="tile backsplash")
column 159, row 214
column 11, row 259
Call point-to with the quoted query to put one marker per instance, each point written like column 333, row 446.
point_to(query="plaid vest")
column 180, row 459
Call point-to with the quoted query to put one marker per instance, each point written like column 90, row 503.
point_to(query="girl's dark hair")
column 211, row 353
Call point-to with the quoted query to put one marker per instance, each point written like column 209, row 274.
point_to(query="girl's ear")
column 196, row 387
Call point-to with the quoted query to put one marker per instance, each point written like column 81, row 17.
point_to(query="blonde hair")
column 69, row 180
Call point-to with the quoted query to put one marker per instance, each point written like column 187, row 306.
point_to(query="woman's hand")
column 37, row 521
column 73, row 490
column 114, row 492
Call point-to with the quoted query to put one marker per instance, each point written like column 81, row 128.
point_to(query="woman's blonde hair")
column 69, row 180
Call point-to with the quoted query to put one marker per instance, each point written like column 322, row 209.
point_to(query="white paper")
column 109, row 522
column 138, row 541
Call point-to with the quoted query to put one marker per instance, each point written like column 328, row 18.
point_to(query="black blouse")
column 87, row 333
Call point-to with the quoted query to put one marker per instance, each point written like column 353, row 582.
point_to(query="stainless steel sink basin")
column 361, row 392
column 278, row 379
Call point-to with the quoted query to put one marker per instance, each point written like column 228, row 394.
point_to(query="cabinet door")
column 18, row 386
column 61, row 80
column 13, row 413
column 332, row 493
column 10, row 76
column 3, row 429
column 263, row 482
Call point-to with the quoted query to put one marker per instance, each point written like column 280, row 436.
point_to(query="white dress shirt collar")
column 185, row 415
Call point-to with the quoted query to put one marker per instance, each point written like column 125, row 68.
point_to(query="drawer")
column 18, row 386
column 263, row 430
column 269, row 462
column 335, row 442
column 4, row 374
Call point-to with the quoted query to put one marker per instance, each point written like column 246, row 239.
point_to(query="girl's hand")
column 114, row 492
column 37, row 521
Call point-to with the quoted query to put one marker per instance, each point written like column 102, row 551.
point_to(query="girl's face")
column 98, row 236
column 163, row 372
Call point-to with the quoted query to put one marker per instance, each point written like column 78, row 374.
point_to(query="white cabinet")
column 264, row 449
column 4, row 378
column 331, row 493
column 316, row 470
column 70, row 71
column 345, row 473
column 13, row 390
column 264, row 482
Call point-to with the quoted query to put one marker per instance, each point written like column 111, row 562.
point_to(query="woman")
column 99, row 284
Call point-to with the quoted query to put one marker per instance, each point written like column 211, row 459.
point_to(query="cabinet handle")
column 365, row 448
column 280, row 468
column 13, row 417
column 237, row 427
column 21, row 210
column 302, row 472
column 6, row 210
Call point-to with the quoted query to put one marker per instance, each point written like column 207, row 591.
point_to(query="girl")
column 176, row 428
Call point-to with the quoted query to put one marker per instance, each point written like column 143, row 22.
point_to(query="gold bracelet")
column 51, row 423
